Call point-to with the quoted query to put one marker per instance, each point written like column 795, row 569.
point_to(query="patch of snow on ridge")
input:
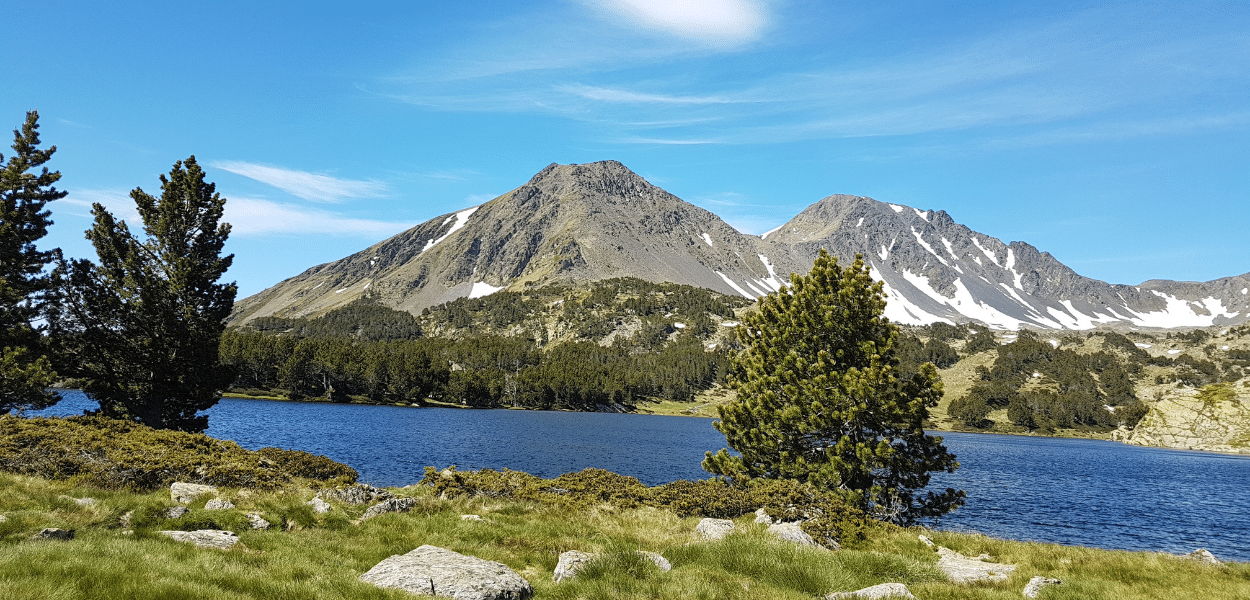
column 736, row 287
column 861, row 224
column 1054, row 343
column 758, row 291
column 1180, row 313
column 707, row 238
column 884, row 253
column 923, row 214
column 772, row 231
column 1174, row 351
column 987, row 252
column 481, row 289
column 1011, row 261
column 772, row 280
column 897, row 208
column 461, row 218
column 947, row 243
column 1244, row 291
column 899, row 310
column 920, row 282
column 928, row 247
column 1143, row 346
column 970, row 307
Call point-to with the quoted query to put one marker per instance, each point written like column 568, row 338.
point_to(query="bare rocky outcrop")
column 1185, row 421
column 434, row 571
column 714, row 529
column 319, row 506
column 1204, row 556
column 1037, row 583
column 361, row 493
column 185, row 493
column 176, row 511
column 394, row 505
column 884, row 590
column 257, row 522
column 218, row 504
column 962, row 569
column 205, row 538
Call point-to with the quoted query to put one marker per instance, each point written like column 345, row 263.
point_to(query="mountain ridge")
column 582, row 223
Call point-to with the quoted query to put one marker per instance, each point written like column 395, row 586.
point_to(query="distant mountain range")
column 577, row 224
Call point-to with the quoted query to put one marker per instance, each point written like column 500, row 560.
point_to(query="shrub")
column 298, row 463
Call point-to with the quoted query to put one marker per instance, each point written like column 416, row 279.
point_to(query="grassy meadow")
column 308, row 555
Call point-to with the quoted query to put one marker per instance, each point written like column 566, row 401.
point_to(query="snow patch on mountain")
column 772, row 281
column 1181, row 313
column 923, row 214
column 897, row 208
column 707, row 238
column 926, row 245
column 765, row 235
column 987, row 252
column 736, row 287
column 461, row 218
column 481, row 289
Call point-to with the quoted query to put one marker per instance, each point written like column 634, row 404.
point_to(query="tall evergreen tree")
column 820, row 401
column 143, row 327
column 25, row 372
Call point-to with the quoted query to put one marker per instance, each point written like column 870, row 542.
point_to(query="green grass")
column 306, row 555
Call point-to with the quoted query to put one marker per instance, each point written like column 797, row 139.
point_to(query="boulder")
column 572, row 561
column 54, row 533
column 792, row 532
column 184, row 493
column 218, row 504
column 401, row 505
column 205, row 538
column 176, row 512
column 1204, row 556
column 361, row 493
column 433, row 571
column 762, row 517
column 928, row 542
column 884, row 590
column 714, row 529
column 318, row 505
column 961, row 569
column 1036, row 584
column 256, row 521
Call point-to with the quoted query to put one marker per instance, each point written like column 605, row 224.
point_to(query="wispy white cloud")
column 309, row 186
column 117, row 201
column 250, row 217
column 719, row 22
column 626, row 96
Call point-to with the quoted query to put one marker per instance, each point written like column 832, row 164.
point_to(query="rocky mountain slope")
column 584, row 223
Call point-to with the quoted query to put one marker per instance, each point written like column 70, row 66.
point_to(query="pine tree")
column 25, row 372
column 820, row 401
column 143, row 327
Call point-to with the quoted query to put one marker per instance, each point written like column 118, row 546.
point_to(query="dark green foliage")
column 141, row 329
column 116, row 454
column 980, row 341
column 971, row 410
column 25, row 190
column 820, row 399
column 363, row 319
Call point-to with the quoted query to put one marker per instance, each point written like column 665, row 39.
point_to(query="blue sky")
column 1115, row 136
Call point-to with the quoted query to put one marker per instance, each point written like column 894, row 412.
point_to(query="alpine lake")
column 1057, row 490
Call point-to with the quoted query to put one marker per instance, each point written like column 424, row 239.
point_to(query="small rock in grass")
column 1036, row 584
column 433, row 571
column 256, row 521
column 361, row 493
column 762, row 517
column 470, row 517
column 928, row 542
column 885, row 590
column 1204, row 556
column 183, row 493
column 218, row 504
column 205, row 538
column 792, row 532
column 3, row 518
column 176, row 512
column 961, row 569
column 714, row 529
column 318, row 505
column 572, row 561
column 54, row 533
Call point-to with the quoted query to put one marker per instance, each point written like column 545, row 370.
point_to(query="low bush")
column 121, row 455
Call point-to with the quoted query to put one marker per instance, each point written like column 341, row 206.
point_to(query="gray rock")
column 1036, row 584
column 572, row 561
column 884, row 590
column 714, row 529
column 470, row 517
column 1204, row 556
column 3, row 518
column 318, row 505
column 176, row 512
column 792, row 532
column 361, row 493
column 81, row 501
column 928, row 542
column 401, row 505
column 961, row 569
column 433, row 571
column 257, row 522
column 218, row 504
column 762, row 517
column 205, row 538
column 184, row 493
column 54, row 533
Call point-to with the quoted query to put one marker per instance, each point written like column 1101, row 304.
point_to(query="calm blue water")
column 1080, row 492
